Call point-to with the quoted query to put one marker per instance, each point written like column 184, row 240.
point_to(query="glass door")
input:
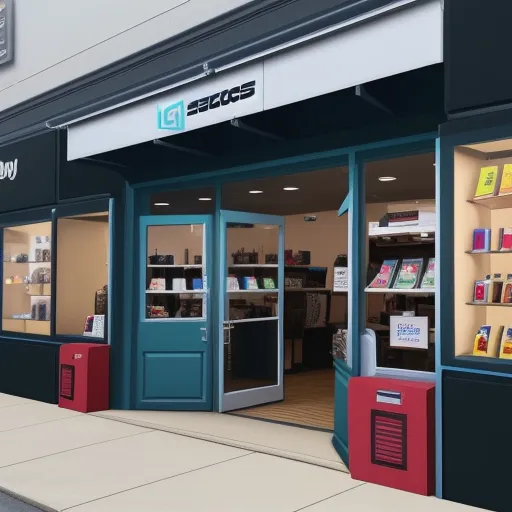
column 174, row 350
column 251, row 309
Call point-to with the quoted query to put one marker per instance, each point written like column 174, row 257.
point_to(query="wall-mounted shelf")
column 494, row 202
column 307, row 289
column 174, row 292
column 489, row 304
column 259, row 290
column 254, row 265
column 488, row 252
column 398, row 291
column 175, row 266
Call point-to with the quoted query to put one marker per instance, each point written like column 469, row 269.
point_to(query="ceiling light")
column 255, row 191
column 205, row 199
column 289, row 189
column 161, row 204
column 387, row 178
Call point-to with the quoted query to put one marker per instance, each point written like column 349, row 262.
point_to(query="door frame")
column 260, row 395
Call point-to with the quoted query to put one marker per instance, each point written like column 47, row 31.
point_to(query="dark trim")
column 258, row 26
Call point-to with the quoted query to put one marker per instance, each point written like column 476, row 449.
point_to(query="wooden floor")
column 308, row 401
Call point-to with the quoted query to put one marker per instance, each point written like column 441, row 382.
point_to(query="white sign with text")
column 408, row 332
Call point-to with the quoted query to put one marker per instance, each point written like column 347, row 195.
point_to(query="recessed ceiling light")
column 161, row 204
column 205, row 199
column 387, row 178
column 255, row 191
column 289, row 189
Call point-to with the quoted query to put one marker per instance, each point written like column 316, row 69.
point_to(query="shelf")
column 307, row 289
column 488, row 252
column 175, row 266
column 259, row 290
column 256, row 265
column 27, row 262
column 174, row 292
column 38, row 295
column 25, row 320
column 494, row 202
column 489, row 304
column 308, row 267
column 398, row 291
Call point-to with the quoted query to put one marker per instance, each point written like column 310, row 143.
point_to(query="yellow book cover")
column 487, row 183
column 506, row 343
column 506, row 180
column 485, row 344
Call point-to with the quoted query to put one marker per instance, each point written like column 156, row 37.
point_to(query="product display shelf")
column 259, row 290
column 379, row 232
column 174, row 292
column 398, row 291
column 186, row 267
column 479, row 270
column 253, row 265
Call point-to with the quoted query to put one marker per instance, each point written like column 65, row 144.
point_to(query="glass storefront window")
column 483, row 249
column 26, row 305
column 82, row 275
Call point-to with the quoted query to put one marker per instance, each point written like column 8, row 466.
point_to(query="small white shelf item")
column 261, row 265
column 174, row 292
column 399, row 291
column 175, row 266
column 401, row 230
column 259, row 290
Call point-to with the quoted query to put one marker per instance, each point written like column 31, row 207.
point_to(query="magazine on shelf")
column 506, row 343
column 506, row 180
column 429, row 277
column 484, row 344
column 386, row 275
column 481, row 240
column 409, row 274
column 505, row 239
column 488, row 182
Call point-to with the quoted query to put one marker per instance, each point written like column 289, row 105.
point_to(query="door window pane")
column 82, row 275
column 175, row 278
column 27, row 279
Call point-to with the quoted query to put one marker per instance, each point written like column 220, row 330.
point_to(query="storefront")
column 57, row 221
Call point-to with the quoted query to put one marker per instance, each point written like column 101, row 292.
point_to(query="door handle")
column 202, row 328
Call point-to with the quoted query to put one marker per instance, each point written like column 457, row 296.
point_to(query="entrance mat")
column 304, row 445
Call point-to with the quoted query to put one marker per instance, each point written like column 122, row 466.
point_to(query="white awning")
column 388, row 45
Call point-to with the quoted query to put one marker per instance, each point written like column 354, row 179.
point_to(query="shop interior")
column 81, row 279
column 315, row 307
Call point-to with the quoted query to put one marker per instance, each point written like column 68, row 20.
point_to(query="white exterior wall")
column 57, row 41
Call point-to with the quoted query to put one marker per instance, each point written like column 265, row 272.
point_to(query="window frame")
column 52, row 214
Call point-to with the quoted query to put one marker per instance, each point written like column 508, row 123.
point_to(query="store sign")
column 8, row 170
column 208, row 101
column 6, row 31
column 408, row 332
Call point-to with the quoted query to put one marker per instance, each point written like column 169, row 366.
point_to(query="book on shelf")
column 481, row 290
column 481, row 240
column 506, row 343
column 506, row 181
column 506, row 294
column 250, row 283
column 386, row 275
column 496, row 288
column 409, row 274
column 488, row 182
column 485, row 344
column 429, row 277
column 505, row 239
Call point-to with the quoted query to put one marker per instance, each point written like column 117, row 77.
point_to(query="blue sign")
column 171, row 117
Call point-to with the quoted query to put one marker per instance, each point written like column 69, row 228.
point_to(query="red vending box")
column 391, row 433
column 84, row 377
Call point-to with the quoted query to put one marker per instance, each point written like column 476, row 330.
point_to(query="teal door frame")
column 353, row 204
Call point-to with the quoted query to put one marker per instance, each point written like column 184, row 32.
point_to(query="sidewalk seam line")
column 329, row 497
column 40, row 423
column 74, row 449
column 158, row 481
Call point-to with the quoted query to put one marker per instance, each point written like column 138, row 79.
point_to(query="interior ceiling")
column 319, row 191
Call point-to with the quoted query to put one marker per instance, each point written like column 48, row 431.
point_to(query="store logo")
column 172, row 117
column 8, row 170
column 222, row 98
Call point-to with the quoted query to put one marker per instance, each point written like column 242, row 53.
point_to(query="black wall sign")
column 477, row 47
column 28, row 173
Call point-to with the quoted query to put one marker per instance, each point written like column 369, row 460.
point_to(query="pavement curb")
column 27, row 501
column 300, row 457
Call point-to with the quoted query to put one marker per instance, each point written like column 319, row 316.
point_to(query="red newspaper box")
column 84, row 377
column 391, row 433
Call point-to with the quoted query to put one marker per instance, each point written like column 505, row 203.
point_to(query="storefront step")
column 304, row 445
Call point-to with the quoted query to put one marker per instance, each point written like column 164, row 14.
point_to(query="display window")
column 175, row 277
column 483, row 250
column 82, row 272
column 401, row 268
column 27, row 277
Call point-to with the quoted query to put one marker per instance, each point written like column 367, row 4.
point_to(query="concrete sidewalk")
column 61, row 460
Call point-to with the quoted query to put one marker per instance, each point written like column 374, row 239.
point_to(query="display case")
column 482, row 207
column 27, row 279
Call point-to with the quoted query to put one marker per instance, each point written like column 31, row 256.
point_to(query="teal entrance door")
column 174, row 344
